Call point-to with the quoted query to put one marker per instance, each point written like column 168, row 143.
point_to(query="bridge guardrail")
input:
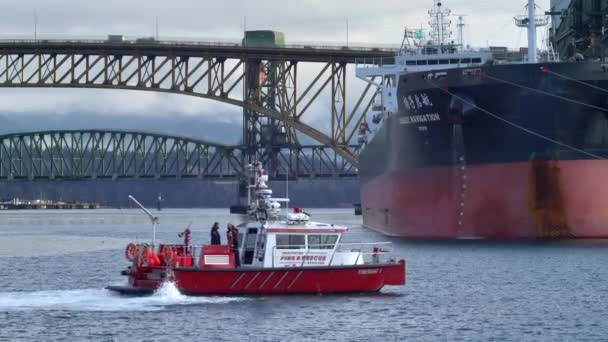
column 205, row 43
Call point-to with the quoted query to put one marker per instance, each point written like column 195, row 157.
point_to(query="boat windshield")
column 306, row 241
column 319, row 241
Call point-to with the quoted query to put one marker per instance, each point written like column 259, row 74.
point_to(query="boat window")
column 322, row 241
column 250, row 238
column 466, row 60
column 433, row 62
column 444, row 61
column 454, row 61
column 421, row 62
column 410, row 63
column 476, row 60
column 288, row 241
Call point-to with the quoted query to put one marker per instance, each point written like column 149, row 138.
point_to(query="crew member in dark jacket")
column 215, row 234
column 233, row 242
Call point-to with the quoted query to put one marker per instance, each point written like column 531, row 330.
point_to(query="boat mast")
column 440, row 25
column 531, row 32
column 531, row 22
column 461, row 26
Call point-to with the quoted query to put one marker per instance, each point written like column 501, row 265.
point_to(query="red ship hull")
column 192, row 281
column 290, row 281
column 520, row 200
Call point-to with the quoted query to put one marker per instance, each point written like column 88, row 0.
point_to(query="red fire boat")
column 274, row 254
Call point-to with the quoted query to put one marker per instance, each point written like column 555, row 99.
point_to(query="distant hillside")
column 196, row 127
column 227, row 130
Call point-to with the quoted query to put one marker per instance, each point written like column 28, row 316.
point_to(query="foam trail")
column 101, row 300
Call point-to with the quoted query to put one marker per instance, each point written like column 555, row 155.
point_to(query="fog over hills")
column 203, row 127
column 27, row 110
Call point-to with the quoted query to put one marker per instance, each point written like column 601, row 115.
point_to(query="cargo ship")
column 469, row 147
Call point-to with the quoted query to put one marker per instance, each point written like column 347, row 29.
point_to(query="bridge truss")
column 279, row 105
column 99, row 154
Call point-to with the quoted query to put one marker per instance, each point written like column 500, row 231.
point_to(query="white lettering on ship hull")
column 416, row 119
column 417, row 101
column 369, row 271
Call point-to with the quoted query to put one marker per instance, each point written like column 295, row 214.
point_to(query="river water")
column 55, row 264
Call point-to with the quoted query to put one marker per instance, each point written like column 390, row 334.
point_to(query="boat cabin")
column 293, row 244
column 286, row 244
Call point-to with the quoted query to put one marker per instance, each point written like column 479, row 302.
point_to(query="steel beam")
column 263, row 81
column 99, row 154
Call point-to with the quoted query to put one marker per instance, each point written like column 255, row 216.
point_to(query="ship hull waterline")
column 524, row 200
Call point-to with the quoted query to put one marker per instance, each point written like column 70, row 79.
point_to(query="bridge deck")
column 301, row 53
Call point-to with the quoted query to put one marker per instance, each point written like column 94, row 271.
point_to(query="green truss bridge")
column 285, row 92
column 121, row 154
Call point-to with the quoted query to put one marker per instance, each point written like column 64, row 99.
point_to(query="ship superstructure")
column 417, row 55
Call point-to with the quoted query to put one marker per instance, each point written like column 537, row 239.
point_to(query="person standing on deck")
column 233, row 236
column 229, row 234
column 215, row 234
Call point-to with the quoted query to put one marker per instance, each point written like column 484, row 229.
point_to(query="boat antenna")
column 156, row 26
column 35, row 25
column 287, row 189
column 440, row 24
column 531, row 21
column 153, row 218
column 461, row 25
column 531, row 31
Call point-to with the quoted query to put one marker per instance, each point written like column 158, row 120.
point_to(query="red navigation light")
column 544, row 69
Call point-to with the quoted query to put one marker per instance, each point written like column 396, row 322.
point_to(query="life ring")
column 168, row 254
column 131, row 252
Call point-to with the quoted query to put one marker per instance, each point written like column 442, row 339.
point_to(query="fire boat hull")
column 261, row 281
column 130, row 291
column 290, row 281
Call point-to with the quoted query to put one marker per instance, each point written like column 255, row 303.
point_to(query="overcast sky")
column 380, row 21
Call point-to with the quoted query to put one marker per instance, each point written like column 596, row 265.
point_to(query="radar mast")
column 440, row 23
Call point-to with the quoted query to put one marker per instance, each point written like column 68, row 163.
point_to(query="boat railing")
column 369, row 252
column 342, row 254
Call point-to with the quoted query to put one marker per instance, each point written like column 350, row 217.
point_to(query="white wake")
column 102, row 300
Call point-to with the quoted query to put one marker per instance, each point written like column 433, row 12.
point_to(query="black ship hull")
column 496, row 152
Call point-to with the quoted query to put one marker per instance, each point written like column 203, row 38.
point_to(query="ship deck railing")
column 375, row 62
column 364, row 253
